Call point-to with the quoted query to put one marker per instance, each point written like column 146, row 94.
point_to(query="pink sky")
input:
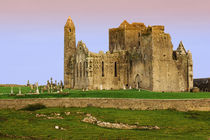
column 35, row 25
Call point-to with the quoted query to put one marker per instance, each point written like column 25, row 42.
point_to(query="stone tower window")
column 70, row 30
column 102, row 68
column 77, row 69
column 115, row 69
column 83, row 69
column 131, row 65
column 139, row 34
column 139, row 43
column 80, row 65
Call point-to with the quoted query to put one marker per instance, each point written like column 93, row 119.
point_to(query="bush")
column 33, row 107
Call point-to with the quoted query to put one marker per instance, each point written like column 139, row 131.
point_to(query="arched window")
column 86, row 66
column 131, row 65
column 83, row 69
column 115, row 69
column 139, row 34
column 69, row 29
column 80, row 65
column 102, row 68
column 77, row 69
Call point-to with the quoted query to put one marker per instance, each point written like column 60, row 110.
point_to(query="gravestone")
column 12, row 90
column 20, row 94
column 37, row 88
column 19, row 90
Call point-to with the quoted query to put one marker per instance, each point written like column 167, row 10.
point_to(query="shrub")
column 33, row 107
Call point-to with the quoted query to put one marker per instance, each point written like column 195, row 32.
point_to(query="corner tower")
column 69, row 51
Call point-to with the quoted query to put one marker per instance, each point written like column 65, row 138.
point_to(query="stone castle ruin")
column 139, row 57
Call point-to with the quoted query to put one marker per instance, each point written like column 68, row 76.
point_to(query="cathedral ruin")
column 139, row 57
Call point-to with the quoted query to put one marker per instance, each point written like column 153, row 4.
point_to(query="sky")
column 32, row 31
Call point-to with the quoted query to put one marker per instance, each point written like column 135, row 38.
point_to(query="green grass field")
column 173, row 125
column 4, row 94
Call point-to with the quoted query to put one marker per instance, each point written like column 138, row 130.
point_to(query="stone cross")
column 28, row 83
column 37, row 88
column 48, row 83
column 11, row 90
column 55, row 82
column 51, row 88
column 58, row 86
column 61, row 89
column 51, row 80
column 61, row 83
column 19, row 90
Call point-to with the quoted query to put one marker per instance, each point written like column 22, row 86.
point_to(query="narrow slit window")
column 80, row 69
column 83, row 69
column 115, row 69
column 102, row 69
column 131, row 65
column 77, row 70
column 70, row 30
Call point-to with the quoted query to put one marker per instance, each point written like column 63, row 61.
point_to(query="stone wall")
column 169, row 74
column 134, row 104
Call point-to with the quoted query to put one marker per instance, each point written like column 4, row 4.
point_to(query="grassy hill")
column 174, row 125
column 4, row 94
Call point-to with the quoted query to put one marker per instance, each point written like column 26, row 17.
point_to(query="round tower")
column 69, row 51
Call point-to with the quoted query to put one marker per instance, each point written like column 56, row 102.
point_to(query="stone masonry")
column 138, row 57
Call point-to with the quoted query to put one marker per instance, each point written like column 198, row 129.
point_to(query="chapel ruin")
column 139, row 57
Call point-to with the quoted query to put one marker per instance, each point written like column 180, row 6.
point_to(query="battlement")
column 127, row 26
column 158, row 28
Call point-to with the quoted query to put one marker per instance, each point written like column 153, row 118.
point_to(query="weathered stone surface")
column 138, row 57
column 93, row 120
column 135, row 104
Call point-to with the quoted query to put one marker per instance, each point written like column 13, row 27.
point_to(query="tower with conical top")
column 69, row 51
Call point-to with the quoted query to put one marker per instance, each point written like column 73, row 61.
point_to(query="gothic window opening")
column 84, row 69
column 115, row 69
column 77, row 69
column 80, row 65
column 102, row 68
column 86, row 64
column 131, row 65
column 70, row 30
column 139, row 43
